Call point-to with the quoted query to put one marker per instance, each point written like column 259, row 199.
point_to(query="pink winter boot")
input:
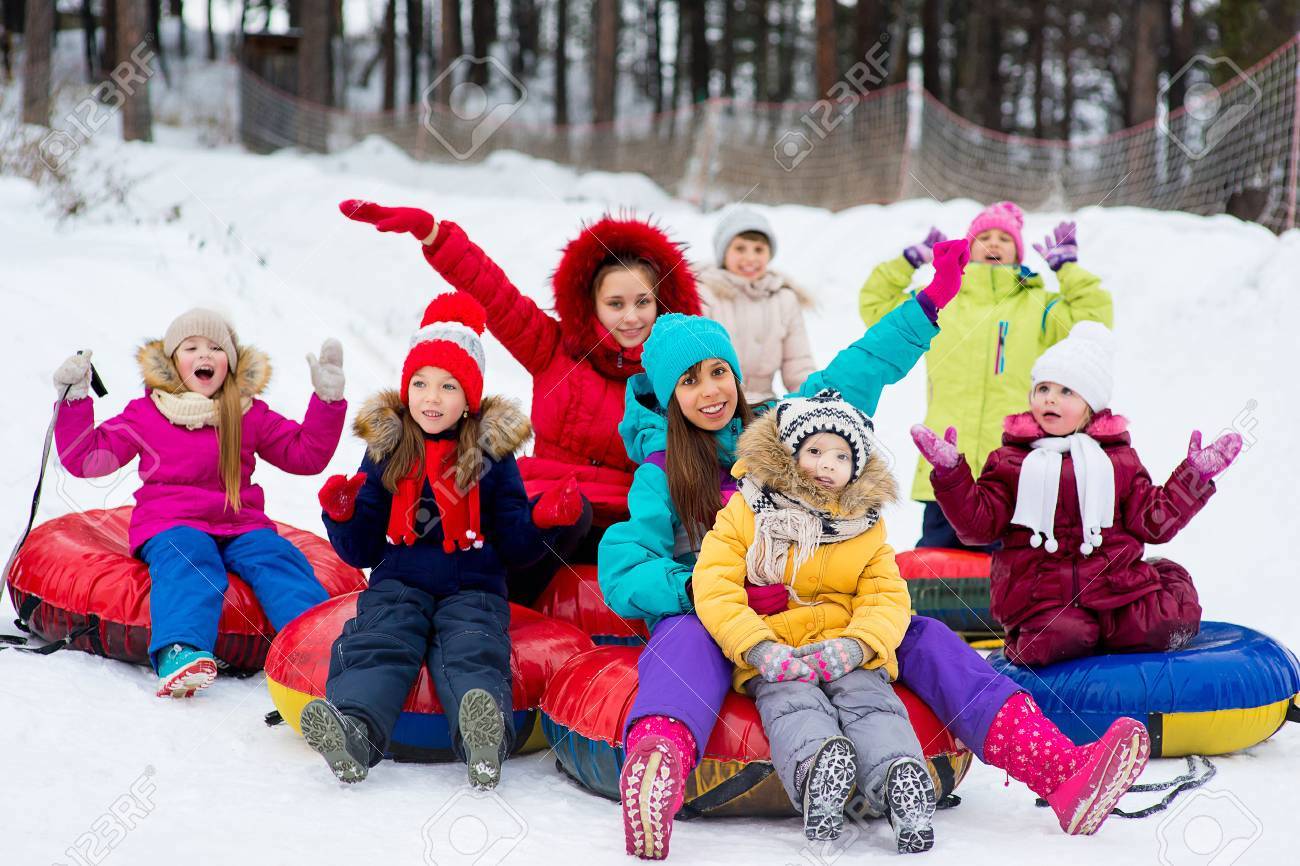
column 1080, row 783
column 660, row 757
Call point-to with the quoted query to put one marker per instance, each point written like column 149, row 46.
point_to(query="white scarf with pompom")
column 1039, row 486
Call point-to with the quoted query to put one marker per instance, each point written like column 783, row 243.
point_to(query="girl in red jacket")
column 1074, row 507
column 612, row 282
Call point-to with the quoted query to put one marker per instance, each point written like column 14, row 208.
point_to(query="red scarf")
column 457, row 510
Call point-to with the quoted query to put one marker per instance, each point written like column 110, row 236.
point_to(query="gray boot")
column 826, row 780
column 910, row 802
column 482, row 733
column 342, row 740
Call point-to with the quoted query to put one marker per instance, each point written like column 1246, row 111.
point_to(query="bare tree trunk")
column 993, row 83
column 414, row 44
column 108, row 52
column 212, row 36
column 654, row 68
column 453, row 46
column 604, row 59
column 694, row 20
column 88, row 29
column 132, row 28
column 1145, row 67
column 1182, row 34
column 388, row 48
column 182, row 39
column 826, row 65
column 482, row 26
column 1067, row 72
column 561, row 62
column 1037, row 40
column 971, row 65
column 728, row 59
column 38, row 39
column 313, row 53
column 762, row 54
column 931, row 31
column 785, row 41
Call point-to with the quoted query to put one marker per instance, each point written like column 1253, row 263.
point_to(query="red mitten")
column 418, row 223
column 339, row 496
column 767, row 600
column 950, row 260
column 559, row 506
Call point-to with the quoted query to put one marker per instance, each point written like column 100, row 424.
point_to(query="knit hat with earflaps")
column 1084, row 362
column 199, row 322
column 449, row 339
column 800, row 418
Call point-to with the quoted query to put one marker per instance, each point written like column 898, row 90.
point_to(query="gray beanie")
column 736, row 221
column 199, row 322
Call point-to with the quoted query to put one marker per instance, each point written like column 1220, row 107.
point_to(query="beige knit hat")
column 199, row 322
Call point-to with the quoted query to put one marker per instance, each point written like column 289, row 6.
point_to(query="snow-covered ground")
column 1205, row 313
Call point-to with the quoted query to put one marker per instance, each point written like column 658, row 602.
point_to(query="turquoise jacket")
column 645, row 561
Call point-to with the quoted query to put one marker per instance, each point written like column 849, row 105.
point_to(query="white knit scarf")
column 782, row 522
column 189, row 409
column 1039, row 486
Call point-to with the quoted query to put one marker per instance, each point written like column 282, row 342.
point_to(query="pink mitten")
column 1211, row 461
column 942, row 453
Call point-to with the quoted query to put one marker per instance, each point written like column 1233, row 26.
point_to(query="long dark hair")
column 691, row 462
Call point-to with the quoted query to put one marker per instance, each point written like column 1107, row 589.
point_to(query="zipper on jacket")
column 620, row 359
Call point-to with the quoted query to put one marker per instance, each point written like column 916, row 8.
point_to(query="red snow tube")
column 952, row 586
column 574, row 596
column 585, row 709
column 298, row 666
column 76, row 575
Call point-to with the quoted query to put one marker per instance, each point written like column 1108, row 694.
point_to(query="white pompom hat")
column 1084, row 362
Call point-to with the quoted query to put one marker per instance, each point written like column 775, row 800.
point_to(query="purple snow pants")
column 683, row 674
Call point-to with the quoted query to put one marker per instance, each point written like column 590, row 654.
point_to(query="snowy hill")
column 1205, row 313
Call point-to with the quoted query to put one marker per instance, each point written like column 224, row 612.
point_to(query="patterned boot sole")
column 1111, row 778
column 482, row 730
column 322, row 728
column 910, row 800
column 830, row 782
column 651, row 787
column 185, row 681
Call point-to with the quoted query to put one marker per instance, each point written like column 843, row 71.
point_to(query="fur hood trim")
column 503, row 426
column 253, row 372
column 1104, row 425
column 761, row 453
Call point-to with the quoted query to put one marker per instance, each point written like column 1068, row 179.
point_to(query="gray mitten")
column 327, row 373
column 73, row 377
column 777, row 663
column 832, row 659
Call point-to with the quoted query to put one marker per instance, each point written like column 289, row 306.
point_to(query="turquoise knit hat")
column 678, row 342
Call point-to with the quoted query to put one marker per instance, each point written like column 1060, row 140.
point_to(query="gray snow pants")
column 798, row 717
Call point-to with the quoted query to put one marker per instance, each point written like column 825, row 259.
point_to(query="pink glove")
column 950, row 258
column 418, row 223
column 767, row 600
column 1211, row 461
column 942, row 453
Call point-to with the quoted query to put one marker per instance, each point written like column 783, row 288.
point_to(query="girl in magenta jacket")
column 197, row 431
column 1074, row 508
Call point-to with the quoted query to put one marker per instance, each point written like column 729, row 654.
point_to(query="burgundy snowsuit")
column 1056, row 606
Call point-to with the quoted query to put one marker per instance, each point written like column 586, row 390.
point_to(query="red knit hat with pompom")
column 449, row 339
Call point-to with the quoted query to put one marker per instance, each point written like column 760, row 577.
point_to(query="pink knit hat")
column 1003, row 215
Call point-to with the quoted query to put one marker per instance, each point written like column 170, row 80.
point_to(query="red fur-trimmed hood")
column 583, row 256
column 1105, row 426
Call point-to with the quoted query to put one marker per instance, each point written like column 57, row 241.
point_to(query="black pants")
column 463, row 638
column 936, row 531
column 572, row 544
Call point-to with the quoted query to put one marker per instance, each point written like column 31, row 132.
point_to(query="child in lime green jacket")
column 977, row 368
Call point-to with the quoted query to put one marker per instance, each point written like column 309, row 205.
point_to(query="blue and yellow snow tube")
column 1230, row 688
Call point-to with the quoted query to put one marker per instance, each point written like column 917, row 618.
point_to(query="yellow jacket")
column 850, row 588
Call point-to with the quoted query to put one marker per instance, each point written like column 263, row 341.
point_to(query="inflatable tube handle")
column 1293, row 710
